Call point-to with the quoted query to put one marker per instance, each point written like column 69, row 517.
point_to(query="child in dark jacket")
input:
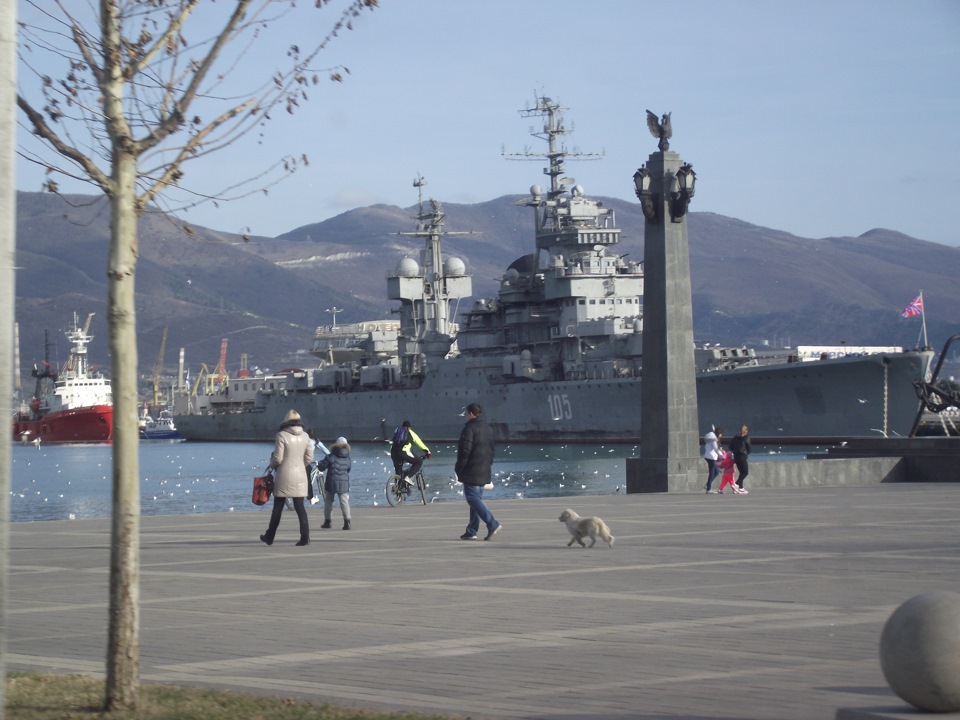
column 337, row 482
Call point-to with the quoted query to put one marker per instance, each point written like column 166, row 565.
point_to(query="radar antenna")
column 418, row 182
column 557, row 153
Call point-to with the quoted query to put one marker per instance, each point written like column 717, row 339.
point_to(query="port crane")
column 220, row 373
column 202, row 376
column 159, row 368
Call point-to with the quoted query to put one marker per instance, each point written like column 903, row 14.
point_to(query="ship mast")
column 557, row 153
column 80, row 338
column 425, row 290
column 566, row 222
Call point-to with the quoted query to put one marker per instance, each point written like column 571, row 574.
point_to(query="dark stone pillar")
column 670, row 458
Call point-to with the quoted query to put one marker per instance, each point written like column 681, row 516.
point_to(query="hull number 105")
column 560, row 407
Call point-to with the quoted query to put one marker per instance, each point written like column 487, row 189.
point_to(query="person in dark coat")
column 740, row 446
column 474, row 459
column 292, row 454
column 337, row 482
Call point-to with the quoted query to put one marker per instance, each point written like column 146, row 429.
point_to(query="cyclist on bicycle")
column 404, row 438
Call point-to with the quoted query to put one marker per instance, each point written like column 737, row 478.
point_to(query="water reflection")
column 74, row 481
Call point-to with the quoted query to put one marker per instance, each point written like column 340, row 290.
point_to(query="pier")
column 763, row 606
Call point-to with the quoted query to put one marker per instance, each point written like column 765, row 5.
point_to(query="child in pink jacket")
column 727, row 465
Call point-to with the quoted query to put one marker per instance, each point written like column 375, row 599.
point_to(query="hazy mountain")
column 267, row 295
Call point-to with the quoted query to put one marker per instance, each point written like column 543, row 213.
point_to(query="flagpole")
column 923, row 319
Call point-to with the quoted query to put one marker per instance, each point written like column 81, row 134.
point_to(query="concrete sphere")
column 920, row 651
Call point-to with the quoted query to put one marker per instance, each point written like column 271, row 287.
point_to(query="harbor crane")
column 159, row 368
column 220, row 374
column 201, row 377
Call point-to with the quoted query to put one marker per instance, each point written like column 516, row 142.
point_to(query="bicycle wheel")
column 397, row 490
column 423, row 487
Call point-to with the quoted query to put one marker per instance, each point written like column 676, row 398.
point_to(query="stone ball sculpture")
column 920, row 651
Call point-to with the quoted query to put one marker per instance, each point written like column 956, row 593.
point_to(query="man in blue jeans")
column 474, row 459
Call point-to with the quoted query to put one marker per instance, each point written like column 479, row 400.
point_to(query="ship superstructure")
column 426, row 292
column 555, row 357
column 572, row 310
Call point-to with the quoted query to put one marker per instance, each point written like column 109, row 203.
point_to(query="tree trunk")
column 8, row 127
column 123, row 652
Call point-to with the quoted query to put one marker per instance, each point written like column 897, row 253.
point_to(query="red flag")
column 914, row 308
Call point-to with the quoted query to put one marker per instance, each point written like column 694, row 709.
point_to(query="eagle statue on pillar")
column 660, row 129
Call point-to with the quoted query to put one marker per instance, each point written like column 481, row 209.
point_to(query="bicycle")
column 398, row 489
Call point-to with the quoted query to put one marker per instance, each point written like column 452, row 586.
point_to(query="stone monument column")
column 670, row 457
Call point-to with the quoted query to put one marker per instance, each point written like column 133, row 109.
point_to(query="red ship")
column 72, row 406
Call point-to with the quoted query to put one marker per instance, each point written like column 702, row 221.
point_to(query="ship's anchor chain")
column 937, row 396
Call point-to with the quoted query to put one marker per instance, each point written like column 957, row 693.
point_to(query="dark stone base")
column 654, row 475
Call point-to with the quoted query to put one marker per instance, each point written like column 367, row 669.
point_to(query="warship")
column 556, row 357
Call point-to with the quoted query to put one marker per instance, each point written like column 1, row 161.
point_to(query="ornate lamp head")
column 686, row 180
column 649, row 201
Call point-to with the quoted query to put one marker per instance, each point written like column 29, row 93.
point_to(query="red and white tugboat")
column 72, row 406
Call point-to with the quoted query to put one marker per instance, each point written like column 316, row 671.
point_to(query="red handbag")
column 262, row 489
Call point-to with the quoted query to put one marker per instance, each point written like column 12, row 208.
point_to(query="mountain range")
column 751, row 285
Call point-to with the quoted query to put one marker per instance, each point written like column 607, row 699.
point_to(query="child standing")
column 337, row 464
column 727, row 465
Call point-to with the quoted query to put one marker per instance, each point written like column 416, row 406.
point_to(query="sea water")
column 66, row 482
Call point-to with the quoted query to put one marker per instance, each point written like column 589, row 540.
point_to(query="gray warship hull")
column 792, row 403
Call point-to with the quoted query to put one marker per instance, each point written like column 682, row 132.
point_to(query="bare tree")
column 140, row 96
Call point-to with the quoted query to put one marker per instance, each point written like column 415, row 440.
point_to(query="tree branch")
column 173, row 170
column 164, row 41
column 41, row 128
column 174, row 121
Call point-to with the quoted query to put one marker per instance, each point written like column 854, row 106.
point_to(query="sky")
column 821, row 118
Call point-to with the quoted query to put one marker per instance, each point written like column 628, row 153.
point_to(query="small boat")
column 159, row 428
column 74, row 405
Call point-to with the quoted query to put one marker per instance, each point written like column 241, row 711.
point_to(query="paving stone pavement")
column 768, row 605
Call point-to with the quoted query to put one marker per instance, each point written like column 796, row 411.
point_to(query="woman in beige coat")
column 292, row 453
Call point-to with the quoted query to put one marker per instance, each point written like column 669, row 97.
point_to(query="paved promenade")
column 764, row 606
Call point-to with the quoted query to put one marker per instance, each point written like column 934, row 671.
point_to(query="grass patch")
column 43, row 696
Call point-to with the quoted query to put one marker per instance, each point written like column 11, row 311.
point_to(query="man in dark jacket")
column 474, row 458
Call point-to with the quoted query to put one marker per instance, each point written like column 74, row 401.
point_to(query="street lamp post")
column 669, row 435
